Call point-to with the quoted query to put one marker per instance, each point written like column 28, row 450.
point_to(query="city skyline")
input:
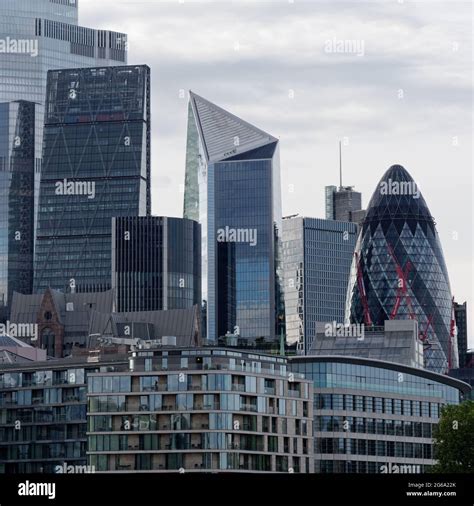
column 265, row 280
column 401, row 102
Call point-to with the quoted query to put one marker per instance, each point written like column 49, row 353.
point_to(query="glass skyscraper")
column 19, row 156
column 460, row 311
column 41, row 35
column 399, row 271
column 156, row 263
column 96, row 167
column 317, row 257
column 233, row 189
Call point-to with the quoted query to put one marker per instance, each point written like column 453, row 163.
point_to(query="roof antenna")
column 340, row 165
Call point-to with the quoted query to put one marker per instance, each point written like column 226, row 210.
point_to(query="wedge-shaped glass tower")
column 399, row 270
column 233, row 189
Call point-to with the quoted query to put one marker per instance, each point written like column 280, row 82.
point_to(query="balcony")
column 248, row 407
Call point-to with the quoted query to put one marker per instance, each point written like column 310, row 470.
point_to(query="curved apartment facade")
column 200, row 411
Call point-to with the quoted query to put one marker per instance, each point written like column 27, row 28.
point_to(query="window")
column 388, row 406
column 407, row 408
column 282, row 407
column 348, row 403
column 378, row 401
column 251, row 384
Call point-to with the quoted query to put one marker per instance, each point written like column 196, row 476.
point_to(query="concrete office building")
column 397, row 341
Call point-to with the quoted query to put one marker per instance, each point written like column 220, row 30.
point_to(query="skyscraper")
column 19, row 155
column 460, row 311
column 343, row 203
column 233, row 188
column 399, row 272
column 156, row 263
column 96, row 167
column 41, row 35
column 317, row 257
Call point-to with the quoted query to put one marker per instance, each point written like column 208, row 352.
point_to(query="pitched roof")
column 181, row 323
column 223, row 134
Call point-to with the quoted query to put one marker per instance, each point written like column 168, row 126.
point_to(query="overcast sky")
column 401, row 93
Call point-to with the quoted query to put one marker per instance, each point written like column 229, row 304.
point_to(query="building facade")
column 317, row 256
column 397, row 341
column 96, row 167
column 460, row 313
column 19, row 158
column 372, row 416
column 156, row 263
column 398, row 270
column 342, row 203
column 41, row 35
column 43, row 420
column 200, row 411
column 233, row 189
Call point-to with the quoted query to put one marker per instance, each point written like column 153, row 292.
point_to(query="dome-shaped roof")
column 397, row 196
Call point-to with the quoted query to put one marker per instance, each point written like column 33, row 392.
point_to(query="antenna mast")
column 340, row 165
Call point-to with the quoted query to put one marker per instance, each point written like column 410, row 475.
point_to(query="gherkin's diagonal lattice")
column 399, row 270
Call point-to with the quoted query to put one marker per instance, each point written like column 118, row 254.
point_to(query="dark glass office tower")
column 19, row 156
column 41, row 35
column 233, row 188
column 156, row 263
column 399, row 271
column 317, row 257
column 96, row 166
column 460, row 311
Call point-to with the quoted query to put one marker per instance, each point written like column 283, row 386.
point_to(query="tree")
column 454, row 439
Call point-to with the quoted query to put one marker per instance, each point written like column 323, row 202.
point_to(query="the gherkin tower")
column 399, row 271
